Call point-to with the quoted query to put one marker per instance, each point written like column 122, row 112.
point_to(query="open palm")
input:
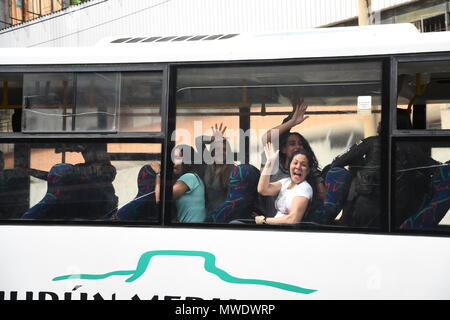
column 271, row 154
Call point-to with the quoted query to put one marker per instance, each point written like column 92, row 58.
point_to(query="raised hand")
column 271, row 154
column 298, row 111
column 218, row 132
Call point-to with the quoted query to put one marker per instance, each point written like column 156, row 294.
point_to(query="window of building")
column 432, row 24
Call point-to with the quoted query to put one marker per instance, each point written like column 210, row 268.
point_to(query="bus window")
column 140, row 102
column 74, row 181
column 92, row 102
column 422, row 185
column 14, row 183
column 10, row 101
column 423, row 89
column 344, row 103
column 137, row 165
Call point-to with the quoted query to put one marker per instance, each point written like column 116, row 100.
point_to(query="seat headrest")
column 62, row 174
column 243, row 181
column 146, row 179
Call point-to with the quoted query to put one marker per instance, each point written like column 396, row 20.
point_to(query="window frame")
column 390, row 135
column 413, row 136
column 388, row 98
column 97, row 137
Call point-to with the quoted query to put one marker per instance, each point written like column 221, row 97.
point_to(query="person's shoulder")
column 371, row 139
column 304, row 187
column 304, row 184
column 187, row 175
column 284, row 181
column 190, row 179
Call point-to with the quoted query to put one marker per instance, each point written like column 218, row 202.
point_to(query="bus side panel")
column 154, row 263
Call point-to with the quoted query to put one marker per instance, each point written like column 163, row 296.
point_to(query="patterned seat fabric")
column 337, row 183
column 95, row 192
column 143, row 206
column 242, row 195
column 434, row 210
column 60, row 197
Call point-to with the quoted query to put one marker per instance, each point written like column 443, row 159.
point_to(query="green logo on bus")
column 210, row 266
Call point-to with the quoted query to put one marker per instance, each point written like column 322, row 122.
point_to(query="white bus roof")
column 326, row 42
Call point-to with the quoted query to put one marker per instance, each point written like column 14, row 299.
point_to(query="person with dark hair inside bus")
column 364, row 158
column 219, row 163
column 189, row 189
column 291, row 142
column 294, row 193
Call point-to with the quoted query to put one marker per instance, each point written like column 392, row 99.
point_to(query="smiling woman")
column 294, row 193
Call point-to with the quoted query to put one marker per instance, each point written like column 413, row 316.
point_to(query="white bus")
column 80, row 126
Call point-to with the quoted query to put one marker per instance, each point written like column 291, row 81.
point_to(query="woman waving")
column 294, row 193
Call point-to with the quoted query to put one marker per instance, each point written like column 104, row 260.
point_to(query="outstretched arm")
column 298, row 116
column 352, row 156
column 179, row 188
column 298, row 209
column 265, row 187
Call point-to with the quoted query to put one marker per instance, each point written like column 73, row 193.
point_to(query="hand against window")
column 218, row 132
column 298, row 111
column 271, row 154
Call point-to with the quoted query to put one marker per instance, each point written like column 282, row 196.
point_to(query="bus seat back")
column 143, row 206
column 242, row 195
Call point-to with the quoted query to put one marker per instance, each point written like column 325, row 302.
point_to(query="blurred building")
column 56, row 23
column 14, row 12
column 427, row 15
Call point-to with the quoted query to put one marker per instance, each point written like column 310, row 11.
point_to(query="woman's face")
column 293, row 144
column 177, row 162
column 299, row 168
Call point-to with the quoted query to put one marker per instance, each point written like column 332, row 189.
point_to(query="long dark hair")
column 188, row 157
column 306, row 146
column 225, row 168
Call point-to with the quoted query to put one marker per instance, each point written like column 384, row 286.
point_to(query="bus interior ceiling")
column 424, row 87
column 275, row 85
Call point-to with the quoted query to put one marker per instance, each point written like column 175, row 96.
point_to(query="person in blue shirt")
column 188, row 189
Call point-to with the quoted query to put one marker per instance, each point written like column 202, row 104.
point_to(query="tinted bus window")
column 79, row 181
column 92, row 102
column 343, row 107
column 140, row 102
column 422, row 185
column 424, row 89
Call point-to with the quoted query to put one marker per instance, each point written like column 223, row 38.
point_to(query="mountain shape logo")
column 210, row 266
